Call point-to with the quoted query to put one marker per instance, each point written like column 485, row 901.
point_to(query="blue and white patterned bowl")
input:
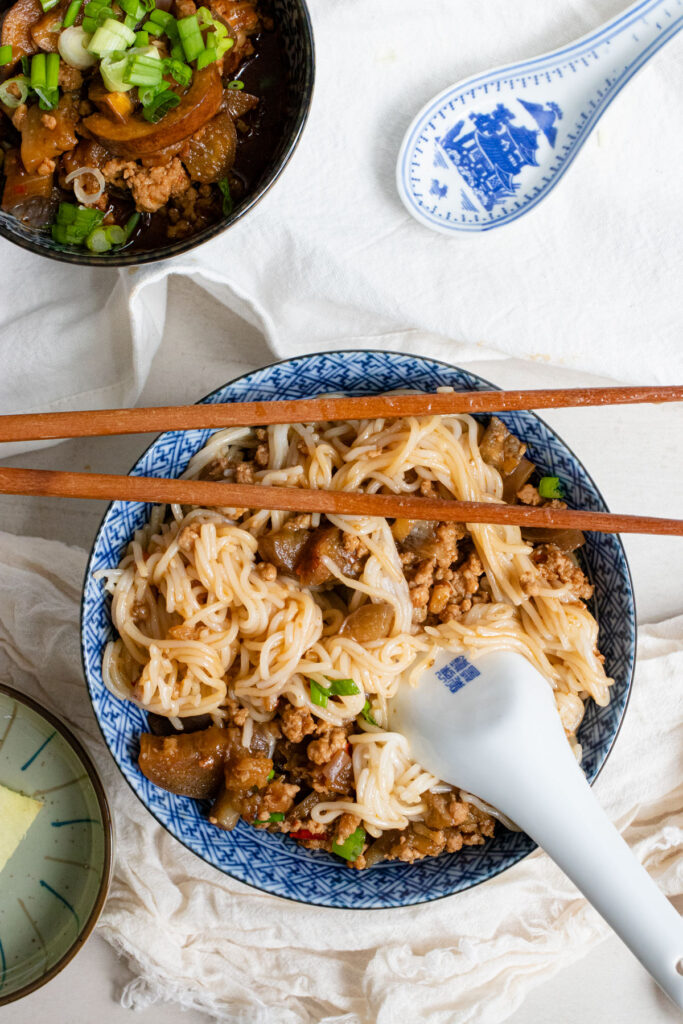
column 275, row 863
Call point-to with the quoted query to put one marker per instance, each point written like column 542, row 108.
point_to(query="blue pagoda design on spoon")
column 493, row 154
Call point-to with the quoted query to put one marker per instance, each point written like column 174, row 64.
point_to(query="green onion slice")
column 112, row 35
column 52, row 70
column 72, row 13
column 97, row 241
column 343, row 687
column 367, row 714
column 142, row 38
column 270, row 775
column 224, row 186
column 7, row 90
column 206, row 57
column 131, row 224
column 235, row 85
column 550, row 487
column 142, row 70
column 160, row 106
column 116, row 234
column 179, row 70
column 5, row 55
column 319, row 694
column 47, row 5
column 39, row 71
column 352, row 847
column 190, row 37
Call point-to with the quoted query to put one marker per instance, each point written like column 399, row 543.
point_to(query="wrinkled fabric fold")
column 209, row 942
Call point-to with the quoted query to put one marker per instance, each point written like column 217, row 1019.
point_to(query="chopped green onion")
column 143, row 70
column 97, row 241
column 74, row 224
column 93, row 7
column 550, row 487
column 131, row 224
column 152, row 28
column 112, row 68
column 147, row 93
column 5, row 55
column 71, row 13
column 89, row 25
column 39, row 71
column 47, row 5
column 270, row 775
column 222, row 45
column 52, row 70
column 160, row 106
column 206, row 57
column 319, row 694
column 116, row 234
column 7, row 91
column 276, row 816
column 181, row 72
column 343, row 687
column 177, row 52
column 149, row 5
column 162, row 18
column 142, row 38
column 224, row 186
column 133, row 9
column 190, row 37
column 352, row 847
column 235, row 85
column 111, row 36
column 204, row 16
column 367, row 714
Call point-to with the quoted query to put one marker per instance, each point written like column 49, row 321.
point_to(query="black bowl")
column 296, row 41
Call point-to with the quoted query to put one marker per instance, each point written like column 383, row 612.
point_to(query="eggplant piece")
column 226, row 810
column 16, row 30
column 160, row 726
column 515, row 480
column 566, row 540
column 421, row 538
column 45, row 32
column 336, row 775
column 210, row 153
column 139, row 138
column 190, row 764
column 501, row 449
column 369, row 622
column 282, row 548
column 325, row 542
column 237, row 103
column 39, row 143
column 28, row 197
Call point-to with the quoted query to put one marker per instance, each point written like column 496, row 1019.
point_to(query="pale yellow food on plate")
column 17, row 814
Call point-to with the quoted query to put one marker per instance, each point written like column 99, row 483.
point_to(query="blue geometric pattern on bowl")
column 275, row 863
column 466, row 162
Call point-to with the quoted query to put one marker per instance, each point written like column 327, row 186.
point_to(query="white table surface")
column 623, row 448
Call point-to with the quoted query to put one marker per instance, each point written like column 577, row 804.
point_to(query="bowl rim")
column 170, row 251
column 107, row 829
column 292, row 360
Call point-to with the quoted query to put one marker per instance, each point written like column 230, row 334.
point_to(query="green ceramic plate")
column 53, row 886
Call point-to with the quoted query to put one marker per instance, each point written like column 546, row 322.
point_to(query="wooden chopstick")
column 100, row 422
column 108, row 487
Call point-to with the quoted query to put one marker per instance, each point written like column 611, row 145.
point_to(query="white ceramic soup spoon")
column 491, row 727
column 484, row 151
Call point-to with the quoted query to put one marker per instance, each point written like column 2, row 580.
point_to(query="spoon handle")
column 558, row 810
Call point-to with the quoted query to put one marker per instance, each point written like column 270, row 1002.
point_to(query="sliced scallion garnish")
column 550, row 487
column 5, row 55
column 319, row 694
column 352, row 847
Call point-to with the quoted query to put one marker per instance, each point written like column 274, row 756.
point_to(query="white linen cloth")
column 250, row 958
column 588, row 280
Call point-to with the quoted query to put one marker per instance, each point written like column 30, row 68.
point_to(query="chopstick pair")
column 42, row 426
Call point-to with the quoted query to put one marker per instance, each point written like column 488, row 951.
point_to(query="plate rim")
column 107, row 829
column 293, row 360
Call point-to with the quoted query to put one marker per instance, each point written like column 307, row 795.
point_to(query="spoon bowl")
column 491, row 727
column 488, row 149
